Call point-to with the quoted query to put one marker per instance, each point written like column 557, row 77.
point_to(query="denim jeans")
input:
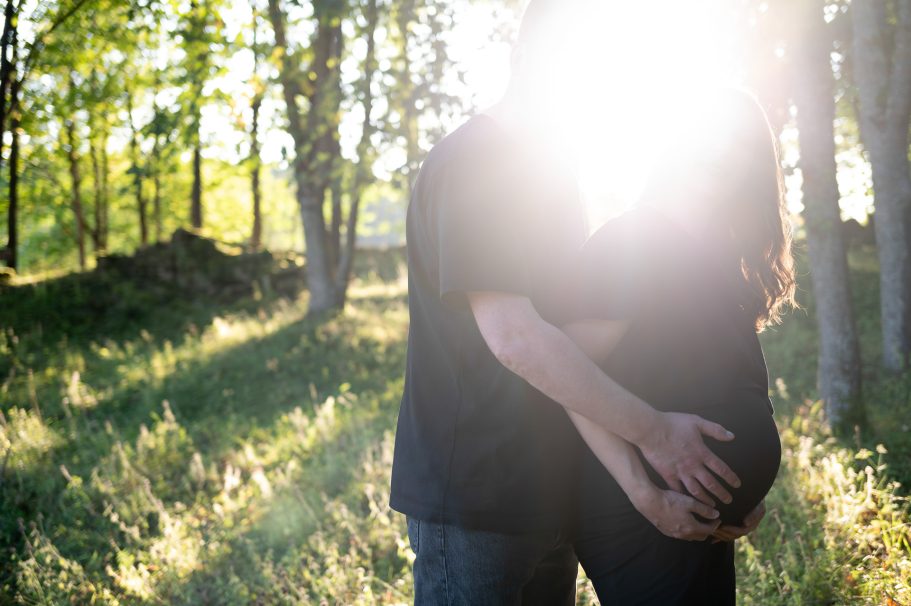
column 456, row 566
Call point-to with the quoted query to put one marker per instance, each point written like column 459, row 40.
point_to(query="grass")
column 197, row 453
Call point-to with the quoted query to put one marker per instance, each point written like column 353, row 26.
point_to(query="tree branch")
column 40, row 40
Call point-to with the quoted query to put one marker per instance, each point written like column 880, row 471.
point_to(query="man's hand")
column 676, row 450
column 672, row 514
column 750, row 523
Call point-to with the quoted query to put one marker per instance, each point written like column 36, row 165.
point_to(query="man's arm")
column 548, row 359
column 669, row 511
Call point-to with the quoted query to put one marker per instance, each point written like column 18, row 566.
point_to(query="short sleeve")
column 618, row 277
column 479, row 225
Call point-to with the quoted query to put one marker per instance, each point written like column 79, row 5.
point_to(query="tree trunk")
column 105, row 173
column 98, row 191
column 76, row 194
column 256, row 237
column 409, row 129
column 196, row 194
column 335, row 223
column 883, row 74
column 319, row 278
column 156, row 200
column 8, row 55
column 839, row 366
column 137, row 171
column 310, row 196
column 154, row 164
column 9, row 81
column 364, row 168
column 12, row 243
column 346, row 259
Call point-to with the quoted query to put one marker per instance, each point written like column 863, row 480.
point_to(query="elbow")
column 510, row 347
column 509, row 327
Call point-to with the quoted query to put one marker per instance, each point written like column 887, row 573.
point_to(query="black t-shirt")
column 690, row 347
column 476, row 445
column 690, row 341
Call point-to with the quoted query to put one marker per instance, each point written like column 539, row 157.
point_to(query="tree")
column 839, row 365
column 70, row 149
column 17, row 59
column 417, row 87
column 313, row 130
column 882, row 71
column 365, row 154
column 259, row 92
column 201, row 39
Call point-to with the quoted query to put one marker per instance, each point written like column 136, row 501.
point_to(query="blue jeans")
column 456, row 567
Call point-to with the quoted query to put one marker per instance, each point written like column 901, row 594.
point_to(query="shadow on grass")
column 223, row 399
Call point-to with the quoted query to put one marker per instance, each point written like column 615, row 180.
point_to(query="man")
column 484, row 457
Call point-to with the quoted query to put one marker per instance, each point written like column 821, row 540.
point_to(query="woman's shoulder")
column 639, row 232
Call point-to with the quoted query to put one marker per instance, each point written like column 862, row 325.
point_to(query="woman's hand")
column 672, row 513
column 750, row 523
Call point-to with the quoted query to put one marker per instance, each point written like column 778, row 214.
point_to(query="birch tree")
column 882, row 71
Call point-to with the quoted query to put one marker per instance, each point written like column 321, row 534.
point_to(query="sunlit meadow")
column 175, row 449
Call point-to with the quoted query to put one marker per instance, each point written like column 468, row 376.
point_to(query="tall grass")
column 246, row 459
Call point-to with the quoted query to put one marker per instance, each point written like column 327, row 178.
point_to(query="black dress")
column 690, row 348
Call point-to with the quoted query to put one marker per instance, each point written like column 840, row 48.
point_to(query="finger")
column 729, row 531
column 714, row 486
column 720, row 468
column 673, row 482
column 701, row 509
column 698, row 492
column 755, row 517
column 716, row 431
column 700, row 531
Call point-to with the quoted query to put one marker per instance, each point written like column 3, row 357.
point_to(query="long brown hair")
column 748, row 198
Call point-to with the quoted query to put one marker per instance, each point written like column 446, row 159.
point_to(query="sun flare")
column 643, row 68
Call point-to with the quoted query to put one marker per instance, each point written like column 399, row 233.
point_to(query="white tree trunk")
column 884, row 88
column 839, row 365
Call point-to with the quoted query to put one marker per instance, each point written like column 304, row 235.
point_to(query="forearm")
column 618, row 456
column 551, row 362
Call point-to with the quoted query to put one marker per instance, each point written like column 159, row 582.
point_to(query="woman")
column 671, row 297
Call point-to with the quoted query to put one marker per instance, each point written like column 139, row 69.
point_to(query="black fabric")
column 476, row 446
column 690, row 348
column 630, row 563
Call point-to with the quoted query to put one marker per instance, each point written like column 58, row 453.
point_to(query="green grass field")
column 189, row 452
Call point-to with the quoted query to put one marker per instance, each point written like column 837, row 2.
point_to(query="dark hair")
column 760, row 222
column 754, row 209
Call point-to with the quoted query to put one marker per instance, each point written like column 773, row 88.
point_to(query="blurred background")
column 203, row 305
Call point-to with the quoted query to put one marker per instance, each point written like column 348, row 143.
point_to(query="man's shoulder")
column 469, row 143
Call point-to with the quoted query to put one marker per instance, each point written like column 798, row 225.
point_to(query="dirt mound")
column 199, row 265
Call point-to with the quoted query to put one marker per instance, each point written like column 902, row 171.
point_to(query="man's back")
column 476, row 445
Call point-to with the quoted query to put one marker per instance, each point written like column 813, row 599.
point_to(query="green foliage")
column 837, row 530
column 243, row 456
column 239, row 459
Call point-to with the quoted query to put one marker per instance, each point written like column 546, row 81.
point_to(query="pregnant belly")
column 754, row 454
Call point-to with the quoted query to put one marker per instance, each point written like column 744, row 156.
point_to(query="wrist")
column 649, row 427
column 642, row 493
